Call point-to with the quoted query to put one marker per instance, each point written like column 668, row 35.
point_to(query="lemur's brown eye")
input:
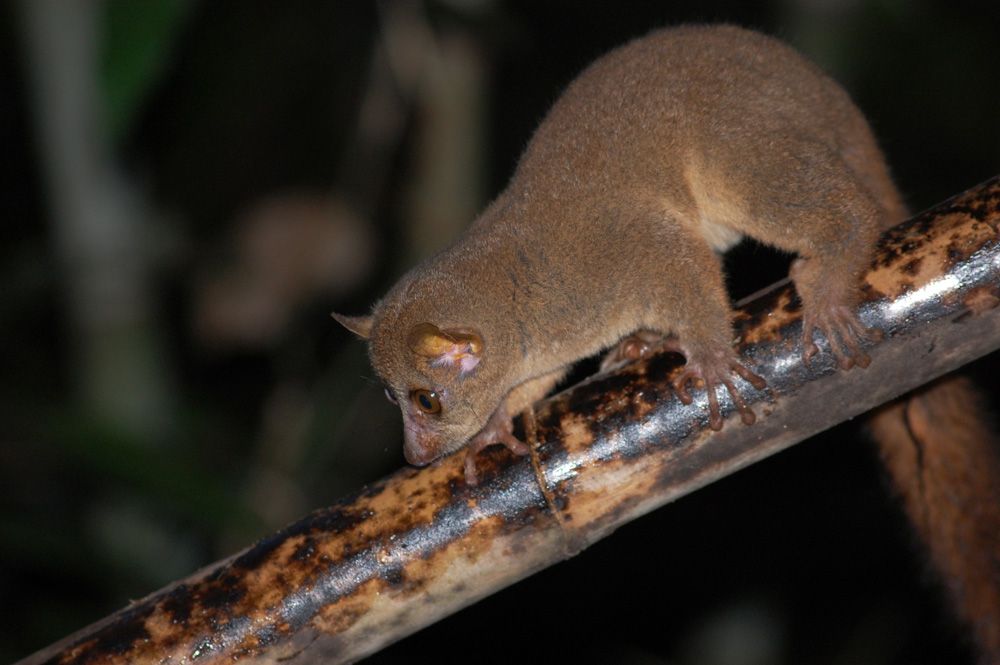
column 426, row 400
column 389, row 396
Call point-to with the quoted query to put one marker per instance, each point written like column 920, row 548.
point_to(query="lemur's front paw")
column 497, row 431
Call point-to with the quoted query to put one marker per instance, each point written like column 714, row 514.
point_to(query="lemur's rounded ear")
column 359, row 325
column 458, row 347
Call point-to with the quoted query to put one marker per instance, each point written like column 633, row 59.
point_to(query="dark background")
column 190, row 187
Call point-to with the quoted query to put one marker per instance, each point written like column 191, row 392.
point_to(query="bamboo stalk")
column 420, row 544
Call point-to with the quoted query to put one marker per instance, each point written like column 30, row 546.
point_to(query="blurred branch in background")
column 444, row 73
column 101, row 226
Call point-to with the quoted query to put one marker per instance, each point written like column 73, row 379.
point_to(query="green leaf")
column 138, row 39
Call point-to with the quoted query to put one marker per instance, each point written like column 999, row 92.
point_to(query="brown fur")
column 659, row 155
column 661, row 152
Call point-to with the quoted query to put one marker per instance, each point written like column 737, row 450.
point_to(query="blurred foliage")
column 349, row 121
column 137, row 38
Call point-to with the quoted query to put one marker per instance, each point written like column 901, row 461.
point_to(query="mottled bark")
column 420, row 544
